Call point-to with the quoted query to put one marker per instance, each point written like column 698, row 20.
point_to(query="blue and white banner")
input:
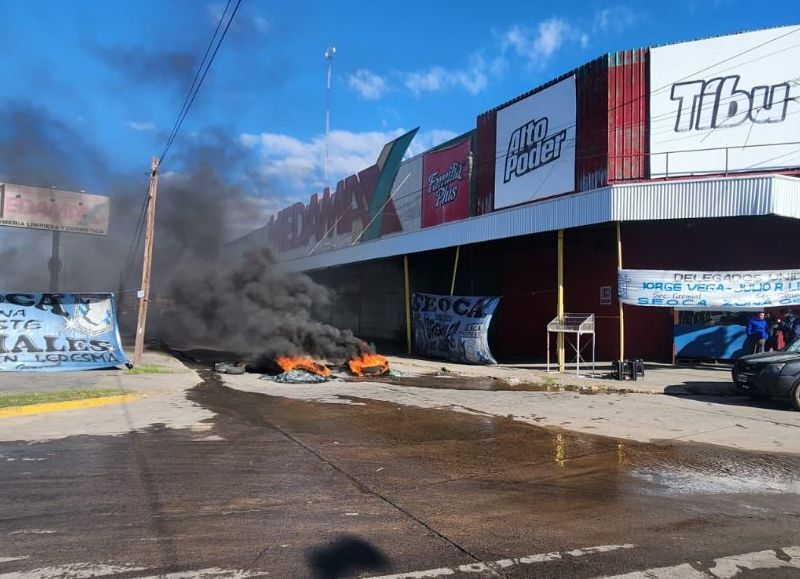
column 709, row 290
column 55, row 332
column 453, row 327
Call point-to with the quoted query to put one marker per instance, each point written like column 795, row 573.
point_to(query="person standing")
column 757, row 332
column 774, row 333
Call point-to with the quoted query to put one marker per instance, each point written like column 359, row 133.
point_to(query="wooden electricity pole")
column 144, row 293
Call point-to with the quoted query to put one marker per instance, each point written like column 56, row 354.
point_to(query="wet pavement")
column 287, row 488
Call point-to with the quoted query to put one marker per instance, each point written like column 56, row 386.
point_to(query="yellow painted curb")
column 66, row 405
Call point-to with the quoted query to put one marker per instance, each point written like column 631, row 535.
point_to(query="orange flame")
column 288, row 363
column 369, row 365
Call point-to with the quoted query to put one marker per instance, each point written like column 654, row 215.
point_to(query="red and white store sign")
column 445, row 184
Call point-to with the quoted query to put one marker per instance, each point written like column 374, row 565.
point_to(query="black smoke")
column 256, row 310
column 199, row 298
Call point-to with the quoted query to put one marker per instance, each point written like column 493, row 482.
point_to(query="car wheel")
column 795, row 396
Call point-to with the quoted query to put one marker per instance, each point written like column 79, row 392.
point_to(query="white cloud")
column 368, row 85
column 297, row 165
column 473, row 78
column 614, row 19
column 539, row 44
column 142, row 125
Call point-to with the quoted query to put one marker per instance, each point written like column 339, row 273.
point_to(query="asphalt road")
column 287, row 488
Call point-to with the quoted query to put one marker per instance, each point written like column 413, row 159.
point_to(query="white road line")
column 8, row 559
column 76, row 571
column 503, row 563
column 722, row 568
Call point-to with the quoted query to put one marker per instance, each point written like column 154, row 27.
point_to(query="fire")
column 288, row 363
column 369, row 365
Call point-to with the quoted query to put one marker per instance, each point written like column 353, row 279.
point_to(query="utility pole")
column 329, row 57
column 144, row 292
column 55, row 262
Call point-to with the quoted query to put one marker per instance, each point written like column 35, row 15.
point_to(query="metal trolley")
column 576, row 325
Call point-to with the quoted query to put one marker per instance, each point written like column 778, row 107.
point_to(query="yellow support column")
column 621, row 313
column 560, row 303
column 408, row 303
column 455, row 270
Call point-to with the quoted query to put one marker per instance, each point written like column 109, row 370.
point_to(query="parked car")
column 771, row 374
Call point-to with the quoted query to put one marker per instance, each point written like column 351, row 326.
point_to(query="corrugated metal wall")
column 483, row 169
column 628, row 85
column 591, row 117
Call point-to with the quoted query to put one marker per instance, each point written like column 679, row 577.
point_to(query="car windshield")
column 793, row 347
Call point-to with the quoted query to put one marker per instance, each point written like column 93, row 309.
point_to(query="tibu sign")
column 40, row 208
column 48, row 332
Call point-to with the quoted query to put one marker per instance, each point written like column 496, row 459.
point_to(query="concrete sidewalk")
column 705, row 379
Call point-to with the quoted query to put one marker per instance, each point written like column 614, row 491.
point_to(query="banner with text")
column 56, row 332
column 710, row 290
column 453, row 327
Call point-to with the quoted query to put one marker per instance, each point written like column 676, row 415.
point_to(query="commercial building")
column 677, row 158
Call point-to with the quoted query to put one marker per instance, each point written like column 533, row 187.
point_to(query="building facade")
column 680, row 157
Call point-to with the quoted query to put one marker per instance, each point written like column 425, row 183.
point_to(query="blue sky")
column 111, row 76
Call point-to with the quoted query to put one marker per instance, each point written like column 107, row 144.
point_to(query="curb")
column 47, row 407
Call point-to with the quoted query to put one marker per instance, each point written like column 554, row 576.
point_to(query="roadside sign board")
column 54, row 210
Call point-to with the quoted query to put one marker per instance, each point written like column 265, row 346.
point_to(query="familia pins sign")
column 446, row 184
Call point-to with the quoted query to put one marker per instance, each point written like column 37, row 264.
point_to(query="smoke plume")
column 256, row 310
column 250, row 307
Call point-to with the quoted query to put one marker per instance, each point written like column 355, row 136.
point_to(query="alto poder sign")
column 41, row 208
column 536, row 146
column 446, row 184
column 725, row 104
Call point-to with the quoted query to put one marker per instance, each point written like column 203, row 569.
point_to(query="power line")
column 185, row 110
column 188, row 101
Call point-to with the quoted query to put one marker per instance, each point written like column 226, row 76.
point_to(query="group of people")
column 767, row 332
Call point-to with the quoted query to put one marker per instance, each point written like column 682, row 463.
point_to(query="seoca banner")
column 536, row 146
column 725, row 104
column 446, row 183
column 710, row 290
column 52, row 332
column 453, row 327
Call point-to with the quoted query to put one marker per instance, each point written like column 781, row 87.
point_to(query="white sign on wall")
column 726, row 104
column 536, row 146
column 709, row 290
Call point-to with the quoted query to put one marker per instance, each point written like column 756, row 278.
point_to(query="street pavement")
column 247, row 477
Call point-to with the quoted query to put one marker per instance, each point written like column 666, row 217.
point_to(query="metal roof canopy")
column 645, row 201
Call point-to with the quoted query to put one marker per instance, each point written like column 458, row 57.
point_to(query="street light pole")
column 329, row 57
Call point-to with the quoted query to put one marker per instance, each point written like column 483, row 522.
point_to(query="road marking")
column 76, row 571
column 8, row 559
column 480, row 567
column 45, row 407
column 724, row 567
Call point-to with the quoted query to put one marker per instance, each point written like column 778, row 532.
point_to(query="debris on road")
column 297, row 377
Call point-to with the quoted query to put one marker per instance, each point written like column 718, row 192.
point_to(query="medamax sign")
column 536, row 146
column 726, row 104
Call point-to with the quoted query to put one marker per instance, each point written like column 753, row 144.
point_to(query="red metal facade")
column 483, row 168
column 591, row 118
column 628, row 88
